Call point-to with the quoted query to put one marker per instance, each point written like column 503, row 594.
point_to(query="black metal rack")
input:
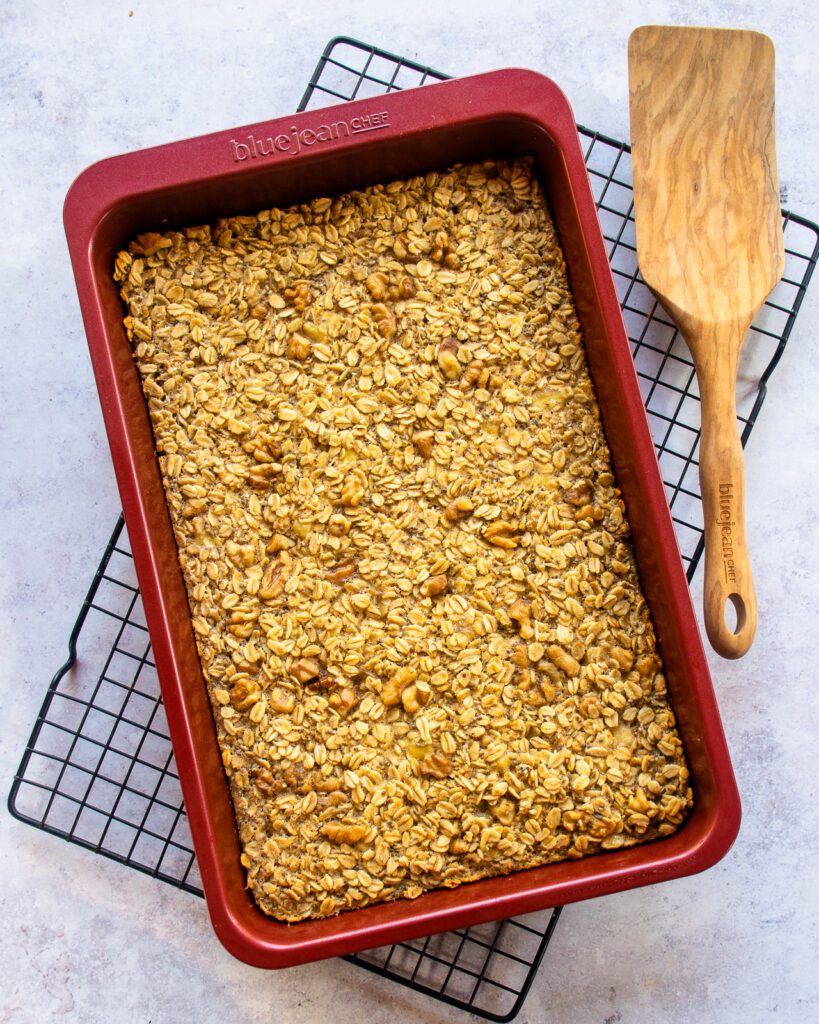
column 98, row 768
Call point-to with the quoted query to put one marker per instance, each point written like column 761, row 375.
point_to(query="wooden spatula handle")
column 728, row 576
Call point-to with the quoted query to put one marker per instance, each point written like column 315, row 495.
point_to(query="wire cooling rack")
column 98, row 769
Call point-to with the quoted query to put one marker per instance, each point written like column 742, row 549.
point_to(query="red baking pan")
column 322, row 153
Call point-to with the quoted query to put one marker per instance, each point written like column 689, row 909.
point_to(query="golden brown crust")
column 412, row 590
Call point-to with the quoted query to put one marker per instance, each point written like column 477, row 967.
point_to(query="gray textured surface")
column 86, row 940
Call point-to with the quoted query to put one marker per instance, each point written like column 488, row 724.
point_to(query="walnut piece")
column 337, row 832
column 436, row 765
column 305, row 670
column 395, row 686
column 436, row 585
column 459, row 508
column 502, row 534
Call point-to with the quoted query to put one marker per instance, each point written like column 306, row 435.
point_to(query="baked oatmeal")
column 407, row 561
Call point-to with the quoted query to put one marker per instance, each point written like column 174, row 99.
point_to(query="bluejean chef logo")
column 725, row 519
column 296, row 139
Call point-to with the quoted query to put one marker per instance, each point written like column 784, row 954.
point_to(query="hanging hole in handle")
column 734, row 614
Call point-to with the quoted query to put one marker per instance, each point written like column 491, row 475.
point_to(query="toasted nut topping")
column 647, row 666
column 447, row 359
column 273, row 581
column 436, row 585
column 384, row 320
column 338, row 525
column 298, row 295
column 520, row 657
column 502, row 534
column 244, row 693
column 280, row 701
column 343, row 700
column 260, row 479
column 263, row 448
column 459, row 508
column 406, row 288
column 401, row 250
column 436, row 765
column 298, row 348
column 474, row 374
column 564, row 661
column 623, row 658
column 352, row 491
column 443, row 251
column 423, row 441
column 520, row 611
column 305, row 670
column 588, row 512
column 580, row 493
column 242, row 555
column 149, row 244
column 267, row 784
column 339, row 833
column 321, row 784
column 378, row 286
column 414, row 698
column 395, row 685
column 343, row 571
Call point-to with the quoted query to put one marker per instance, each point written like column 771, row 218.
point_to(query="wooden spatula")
column 709, row 245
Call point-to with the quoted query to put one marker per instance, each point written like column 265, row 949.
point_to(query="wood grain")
column 710, row 246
